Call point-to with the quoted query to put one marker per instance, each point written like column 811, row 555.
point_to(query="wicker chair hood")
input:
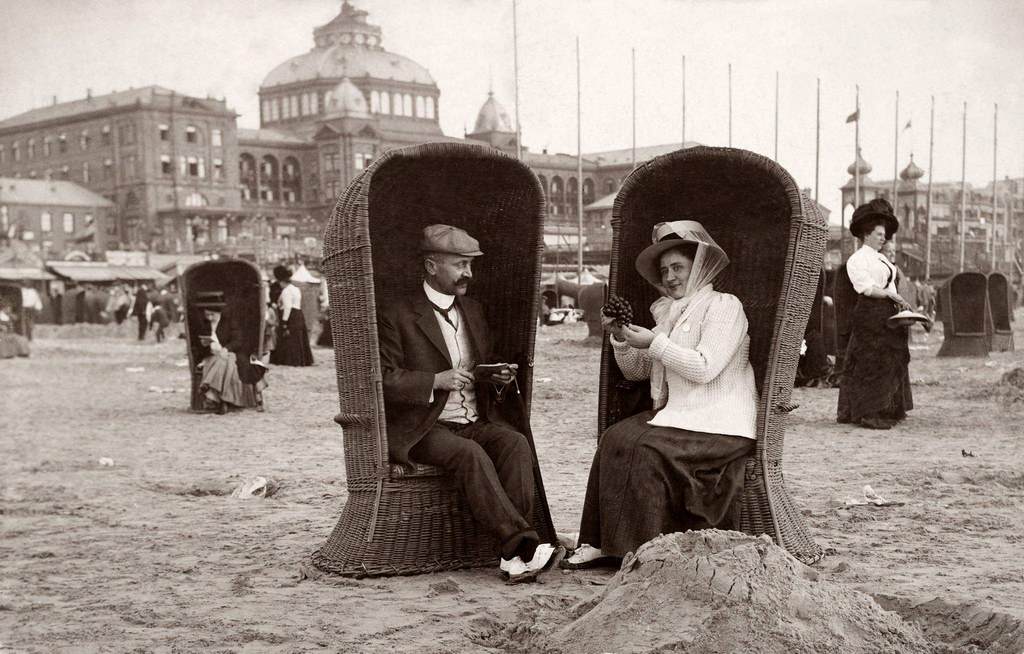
column 210, row 284
column 371, row 257
column 775, row 239
column 10, row 295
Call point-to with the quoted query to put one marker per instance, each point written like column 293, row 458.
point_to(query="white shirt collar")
column 442, row 300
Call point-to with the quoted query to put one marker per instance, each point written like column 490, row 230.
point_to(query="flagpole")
column 776, row 116
column 730, row 105
column 515, row 74
column 896, row 153
column 684, row 101
column 856, row 164
column 817, row 141
column 963, row 191
column 995, row 201
column 928, row 202
column 579, row 168
column 633, row 53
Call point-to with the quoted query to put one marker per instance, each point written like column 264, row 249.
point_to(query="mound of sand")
column 1010, row 388
column 721, row 591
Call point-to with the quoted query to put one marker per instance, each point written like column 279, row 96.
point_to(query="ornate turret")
column 348, row 28
column 912, row 172
column 346, row 100
column 492, row 117
column 860, row 164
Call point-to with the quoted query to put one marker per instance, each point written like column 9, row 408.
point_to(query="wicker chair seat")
column 212, row 284
column 776, row 240
column 411, row 519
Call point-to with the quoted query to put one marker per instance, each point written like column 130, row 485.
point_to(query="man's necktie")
column 445, row 314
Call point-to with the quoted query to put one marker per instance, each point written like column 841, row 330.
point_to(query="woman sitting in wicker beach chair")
column 232, row 378
column 681, row 465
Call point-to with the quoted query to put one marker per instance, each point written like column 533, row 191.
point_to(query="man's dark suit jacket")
column 412, row 350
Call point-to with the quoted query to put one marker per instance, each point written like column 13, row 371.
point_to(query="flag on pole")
column 854, row 117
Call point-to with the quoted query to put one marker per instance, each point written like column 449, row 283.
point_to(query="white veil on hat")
column 708, row 262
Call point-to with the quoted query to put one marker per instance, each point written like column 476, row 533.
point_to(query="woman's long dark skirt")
column 293, row 349
column 876, row 380
column 647, row 481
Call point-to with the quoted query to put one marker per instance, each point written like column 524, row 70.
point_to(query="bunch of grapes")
column 619, row 309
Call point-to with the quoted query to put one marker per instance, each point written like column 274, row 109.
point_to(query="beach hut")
column 401, row 519
column 776, row 239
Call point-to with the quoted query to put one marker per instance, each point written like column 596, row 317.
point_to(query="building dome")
column 863, row 166
column 912, row 172
column 346, row 100
column 492, row 117
column 348, row 46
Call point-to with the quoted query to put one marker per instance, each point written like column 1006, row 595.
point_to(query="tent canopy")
column 25, row 274
column 99, row 272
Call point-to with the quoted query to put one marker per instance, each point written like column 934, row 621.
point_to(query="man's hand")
column 505, row 376
column 638, row 337
column 453, row 380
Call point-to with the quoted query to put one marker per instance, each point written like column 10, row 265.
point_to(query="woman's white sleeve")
column 722, row 333
column 860, row 274
column 635, row 364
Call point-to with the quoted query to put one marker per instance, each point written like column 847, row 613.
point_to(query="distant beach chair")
column 213, row 284
column 776, row 241
column 965, row 317
column 408, row 520
column 1000, row 314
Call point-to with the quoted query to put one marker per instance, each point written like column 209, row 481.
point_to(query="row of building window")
column 399, row 104
column 47, row 145
column 189, row 166
column 192, row 135
column 46, row 223
column 381, row 102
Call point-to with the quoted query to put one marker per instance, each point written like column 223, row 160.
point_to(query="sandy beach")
column 119, row 532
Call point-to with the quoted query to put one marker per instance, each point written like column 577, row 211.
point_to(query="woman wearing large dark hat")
column 292, row 348
column 875, row 389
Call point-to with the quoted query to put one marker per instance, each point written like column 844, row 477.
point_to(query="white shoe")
column 584, row 554
column 540, row 557
column 513, row 566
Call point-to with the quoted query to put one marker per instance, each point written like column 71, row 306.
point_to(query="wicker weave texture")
column 408, row 523
column 965, row 316
column 775, row 239
column 233, row 280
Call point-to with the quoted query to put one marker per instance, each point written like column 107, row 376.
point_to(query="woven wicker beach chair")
column 964, row 309
column 1000, row 314
column 10, row 296
column 776, row 241
column 409, row 520
column 210, row 284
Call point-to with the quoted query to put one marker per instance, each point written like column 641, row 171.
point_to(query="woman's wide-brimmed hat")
column 282, row 273
column 873, row 210
column 673, row 234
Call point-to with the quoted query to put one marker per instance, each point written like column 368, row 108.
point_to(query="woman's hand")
column 216, row 347
column 898, row 299
column 610, row 325
column 638, row 337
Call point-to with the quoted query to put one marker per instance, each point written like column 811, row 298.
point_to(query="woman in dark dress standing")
column 292, row 348
column 875, row 388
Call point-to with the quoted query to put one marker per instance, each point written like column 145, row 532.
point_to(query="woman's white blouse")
column 291, row 299
column 867, row 268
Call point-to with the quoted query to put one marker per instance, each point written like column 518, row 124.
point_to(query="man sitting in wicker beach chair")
column 441, row 399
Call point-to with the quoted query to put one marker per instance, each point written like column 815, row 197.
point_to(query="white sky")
column 957, row 50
